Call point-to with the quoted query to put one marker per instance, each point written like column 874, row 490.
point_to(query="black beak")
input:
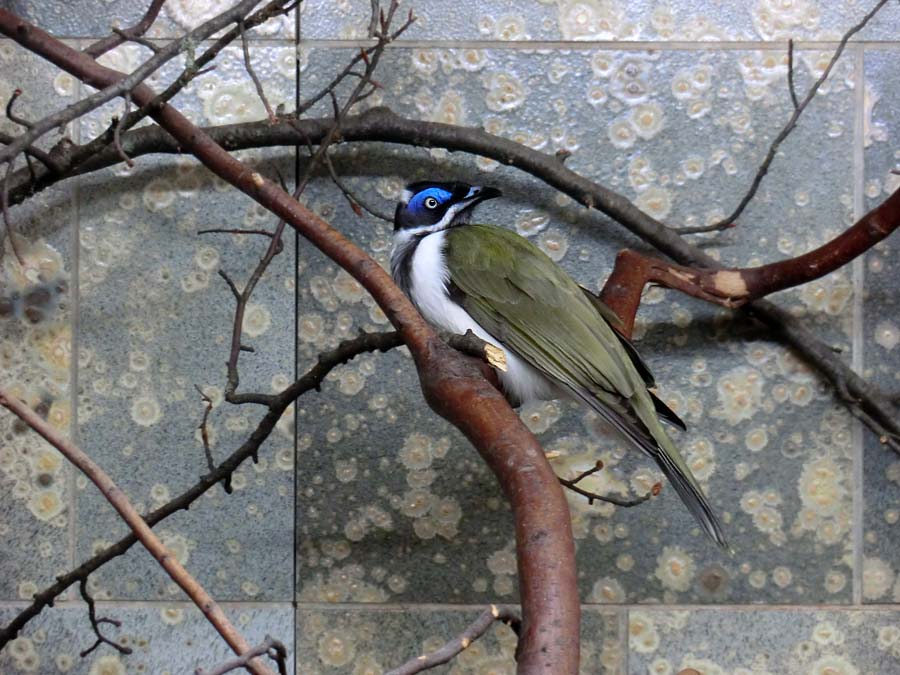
column 479, row 194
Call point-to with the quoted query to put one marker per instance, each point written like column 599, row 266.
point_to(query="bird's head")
column 430, row 207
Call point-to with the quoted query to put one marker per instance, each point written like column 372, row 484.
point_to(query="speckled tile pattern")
column 401, row 532
column 764, row 642
column 606, row 20
column 35, row 352
column 147, row 281
column 777, row 457
column 165, row 639
column 92, row 19
column 362, row 641
column 881, row 332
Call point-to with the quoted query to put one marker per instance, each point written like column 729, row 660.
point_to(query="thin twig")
column 453, row 648
column 13, row 117
column 204, row 431
column 121, row 85
column 120, row 502
column 95, row 624
column 137, row 39
column 40, row 155
column 235, row 230
column 231, row 285
column 791, row 123
column 4, row 207
column 358, row 205
column 117, row 133
column 790, row 75
column 593, row 496
column 270, row 647
column 248, row 66
column 275, row 246
column 136, row 31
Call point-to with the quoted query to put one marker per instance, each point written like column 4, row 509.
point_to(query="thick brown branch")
column 381, row 124
column 138, row 525
column 452, row 384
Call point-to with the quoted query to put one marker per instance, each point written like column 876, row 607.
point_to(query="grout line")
column 608, row 45
column 75, row 327
column 858, row 271
column 893, row 608
column 579, row 45
column 155, row 604
column 624, row 619
column 746, row 607
column 296, row 342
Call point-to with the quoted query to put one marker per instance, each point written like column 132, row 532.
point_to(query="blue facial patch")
column 417, row 203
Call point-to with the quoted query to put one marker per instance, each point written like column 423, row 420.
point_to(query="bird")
column 557, row 337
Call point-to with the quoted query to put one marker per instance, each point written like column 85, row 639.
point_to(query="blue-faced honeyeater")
column 556, row 336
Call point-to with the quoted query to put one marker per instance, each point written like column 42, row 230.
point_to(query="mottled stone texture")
column 396, row 534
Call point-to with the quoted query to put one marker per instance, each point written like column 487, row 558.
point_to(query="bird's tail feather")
column 685, row 485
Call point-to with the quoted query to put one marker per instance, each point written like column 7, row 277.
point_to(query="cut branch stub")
column 738, row 286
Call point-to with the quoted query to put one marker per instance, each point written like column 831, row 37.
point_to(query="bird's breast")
column 426, row 284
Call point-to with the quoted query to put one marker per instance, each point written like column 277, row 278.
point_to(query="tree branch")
column 453, row 385
column 95, row 624
column 792, row 121
column 381, row 124
column 453, row 648
column 270, row 647
column 138, row 525
column 347, row 350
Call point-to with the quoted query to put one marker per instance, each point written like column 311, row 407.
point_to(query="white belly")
column 429, row 277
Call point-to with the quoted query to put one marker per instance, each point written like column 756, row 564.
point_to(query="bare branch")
column 137, row 30
column 119, row 501
column 592, row 497
column 95, row 624
column 204, row 431
column 117, row 133
column 144, row 42
column 358, row 205
column 347, row 350
column 248, row 66
column 235, row 230
column 13, row 117
column 790, row 75
column 119, row 86
column 453, row 648
column 7, row 220
column 792, row 122
column 270, row 647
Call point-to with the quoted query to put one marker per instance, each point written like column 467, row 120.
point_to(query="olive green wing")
column 520, row 295
column 531, row 305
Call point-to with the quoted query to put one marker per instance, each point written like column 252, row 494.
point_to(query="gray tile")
column 717, row 641
column 601, row 20
column 338, row 641
column 164, row 638
column 88, row 19
column 766, row 437
column 881, row 333
column 156, row 321
column 36, row 318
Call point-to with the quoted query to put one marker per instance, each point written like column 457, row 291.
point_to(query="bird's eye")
column 431, row 203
